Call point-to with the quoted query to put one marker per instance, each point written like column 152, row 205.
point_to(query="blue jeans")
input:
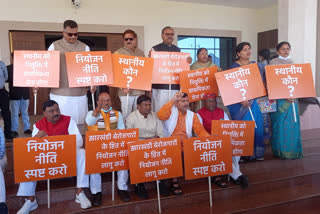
column 17, row 106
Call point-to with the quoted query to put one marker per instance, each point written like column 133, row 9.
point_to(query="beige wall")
column 151, row 15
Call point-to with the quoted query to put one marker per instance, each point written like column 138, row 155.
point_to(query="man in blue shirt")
column 4, row 104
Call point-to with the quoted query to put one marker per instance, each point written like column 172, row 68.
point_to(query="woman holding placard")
column 202, row 62
column 286, row 136
column 240, row 111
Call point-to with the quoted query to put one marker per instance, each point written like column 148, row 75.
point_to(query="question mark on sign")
column 129, row 80
column 244, row 91
column 291, row 90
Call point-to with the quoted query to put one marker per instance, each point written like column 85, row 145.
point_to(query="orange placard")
column 168, row 65
column 290, row 81
column 107, row 151
column 89, row 68
column 155, row 159
column 239, row 84
column 44, row 158
column 207, row 156
column 241, row 134
column 132, row 72
column 36, row 69
column 197, row 83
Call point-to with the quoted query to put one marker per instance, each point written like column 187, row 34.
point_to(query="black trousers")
column 5, row 110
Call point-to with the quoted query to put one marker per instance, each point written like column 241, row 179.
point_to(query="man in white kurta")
column 96, row 121
column 149, row 127
column 56, row 124
column 129, row 104
column 73, row 102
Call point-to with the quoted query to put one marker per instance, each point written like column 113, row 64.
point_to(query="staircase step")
column 230, row 200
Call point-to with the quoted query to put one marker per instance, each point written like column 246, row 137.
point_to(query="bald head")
column 104, row 100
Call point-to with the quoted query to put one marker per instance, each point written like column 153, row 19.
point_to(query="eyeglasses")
column 72, row 34
column 127, row 39
column 169, row 34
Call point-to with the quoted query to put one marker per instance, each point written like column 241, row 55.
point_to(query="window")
column 219, row 48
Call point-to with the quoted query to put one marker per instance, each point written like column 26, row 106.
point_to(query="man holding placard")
column 210, row 112
column 180, row 121
column 149, row 127
column 54, row 124
column 130, row 49
column 72, row 101
column 160, row 92
column 105, row 118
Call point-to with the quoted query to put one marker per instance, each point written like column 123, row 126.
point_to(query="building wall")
column 152, row 15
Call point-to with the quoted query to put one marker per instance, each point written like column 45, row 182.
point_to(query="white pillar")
column 298, row 25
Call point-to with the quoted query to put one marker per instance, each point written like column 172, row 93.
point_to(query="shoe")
column 220, row 181
column 141, row 191
column 176, row 189
column 124, row 195
column 28, row 207
column 14, row 134
column 83, row 201
column 164, row 190
column 97, row 198
column 243, row 181
column 28, row 131
column 3, row 208
column 260, row 159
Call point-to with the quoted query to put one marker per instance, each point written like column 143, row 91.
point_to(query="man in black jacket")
column 19, row 101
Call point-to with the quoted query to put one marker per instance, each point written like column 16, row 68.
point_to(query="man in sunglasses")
column 130, row 49
column 72, row 101
column 160, row 92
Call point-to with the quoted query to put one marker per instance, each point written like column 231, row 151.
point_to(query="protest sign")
column 168, row 65
column 290, row 81
column 207, row 156
column 241, row 134
column 239, row 84
column 89, row 68
column 44, row 158
column 106, row 151
column 155, row 159
column 36, row 69
column 196, row 83
column 132, row 72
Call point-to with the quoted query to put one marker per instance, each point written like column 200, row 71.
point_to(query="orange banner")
column 207, row 156
column 89, row 68
column 241, row 134
column 36, row 69
column 155, row 159
column 197, row 83
column 168, row 65
column 132, row 72
column 44, row 158
column 107, row 151
column 239, row 84
column 290, row 81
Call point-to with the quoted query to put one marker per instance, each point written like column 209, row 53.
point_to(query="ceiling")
column 234, row 3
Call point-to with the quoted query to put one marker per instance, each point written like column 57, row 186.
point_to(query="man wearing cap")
column 210, row 112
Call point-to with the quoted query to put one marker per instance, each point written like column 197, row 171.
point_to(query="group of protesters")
column 156, row 115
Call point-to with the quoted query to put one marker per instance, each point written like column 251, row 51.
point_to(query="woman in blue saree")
column 286, row 135
column 240, row 111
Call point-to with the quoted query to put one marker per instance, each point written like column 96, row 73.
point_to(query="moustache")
column 56, row 116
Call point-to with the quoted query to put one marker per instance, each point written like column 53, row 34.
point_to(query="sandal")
column 176, row 189
column 220, row 182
